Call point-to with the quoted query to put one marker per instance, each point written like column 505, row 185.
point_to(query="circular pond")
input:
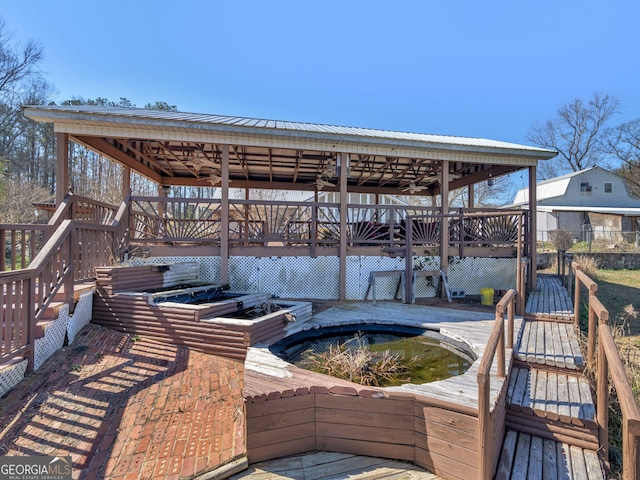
column 377, row 355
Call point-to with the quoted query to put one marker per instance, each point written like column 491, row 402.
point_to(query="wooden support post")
column 444, row 222
column 343, row 163
column 62, row 167
column 126, row 182
column 224, row 216
column 533, row 229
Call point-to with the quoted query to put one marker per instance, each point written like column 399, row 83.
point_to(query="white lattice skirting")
column 53, row 339
column 81, row 315
column 317, row 278
column 11, row 376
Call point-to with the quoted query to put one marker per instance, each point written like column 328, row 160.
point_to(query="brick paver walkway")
column 126, row 409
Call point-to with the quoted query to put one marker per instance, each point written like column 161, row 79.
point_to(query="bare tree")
column 623, row 142
column 577, row 132
column 17, row 63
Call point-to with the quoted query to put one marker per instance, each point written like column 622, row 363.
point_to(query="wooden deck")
column 550, row 300
column 547, row 404
column 527, row 456
column 332, row 465
column 551, row 416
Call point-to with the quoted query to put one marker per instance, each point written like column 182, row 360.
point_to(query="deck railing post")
column 630, row 458
column 591, row 335
column 484, row 438
column 392, row 227
column 30, row 300
column 69, row 277
column 408, row 261
column 511, row 317
column 313, row 234
column 576, row 297
column 3, row 240
column 603, row 401
column 501, row 353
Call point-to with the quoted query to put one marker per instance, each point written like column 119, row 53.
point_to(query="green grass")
column 617, row 290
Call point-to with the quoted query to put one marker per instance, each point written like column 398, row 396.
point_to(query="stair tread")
column 549, row 343
column 564, row 397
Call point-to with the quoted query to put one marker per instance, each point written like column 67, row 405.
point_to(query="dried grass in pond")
column 353, row 360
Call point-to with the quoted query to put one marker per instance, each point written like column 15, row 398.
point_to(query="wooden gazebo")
column 184, row 149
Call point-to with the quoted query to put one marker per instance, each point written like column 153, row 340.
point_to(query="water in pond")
column 392, row 358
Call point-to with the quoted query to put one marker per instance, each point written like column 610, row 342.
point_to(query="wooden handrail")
column 609, row 364
column 53, row 267
column 496, row 346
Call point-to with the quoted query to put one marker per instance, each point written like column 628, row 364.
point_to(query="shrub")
column 588, row 264
column 561, row 239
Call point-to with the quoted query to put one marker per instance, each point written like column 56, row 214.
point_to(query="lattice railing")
column 162, row 220
column 171, row 220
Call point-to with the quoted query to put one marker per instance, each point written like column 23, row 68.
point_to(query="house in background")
column 591, row 204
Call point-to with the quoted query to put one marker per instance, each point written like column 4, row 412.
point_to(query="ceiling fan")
column 413, row 188
column 322, row 182
column 215, row 179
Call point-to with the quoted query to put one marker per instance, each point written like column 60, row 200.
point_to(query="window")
column 608, row 187
column 585, row 187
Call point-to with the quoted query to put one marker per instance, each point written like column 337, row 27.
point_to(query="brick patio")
column 127, row 409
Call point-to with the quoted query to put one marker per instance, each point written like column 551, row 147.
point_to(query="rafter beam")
column 127, row 143
column 102, row 147
column 239, row 154
column 382, row 168
column 168, row 151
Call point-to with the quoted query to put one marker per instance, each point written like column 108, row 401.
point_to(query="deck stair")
column 552, row 404
column 551, row 416
column 550, row 300
column 549, row 343
column 532, row 457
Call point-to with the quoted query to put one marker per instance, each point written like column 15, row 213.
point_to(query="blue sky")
column 468, row 68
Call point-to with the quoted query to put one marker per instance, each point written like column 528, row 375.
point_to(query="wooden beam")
column 62, row 167
column 103, row 147
column 125, row 142
column 496, row 171
column 240, row 156
column 382, row 168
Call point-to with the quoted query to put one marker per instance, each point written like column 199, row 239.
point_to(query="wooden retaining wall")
column 201, row 327
column 177, row 326
column 378, row 423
